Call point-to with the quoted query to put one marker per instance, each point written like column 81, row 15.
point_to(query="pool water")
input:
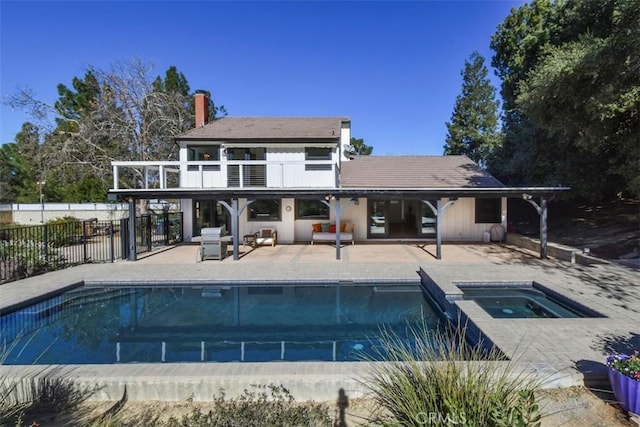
column 251, row 323
column 521, row 302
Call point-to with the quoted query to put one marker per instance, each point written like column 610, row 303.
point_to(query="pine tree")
column 473, row 127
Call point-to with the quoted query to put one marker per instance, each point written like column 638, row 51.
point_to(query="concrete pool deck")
column 565, row 351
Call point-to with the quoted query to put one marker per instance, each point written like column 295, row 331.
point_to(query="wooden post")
column 234, row 228
column 338, row 211
column 542, row 211
column 439, row 211
column 132, row 230
column 543, row 228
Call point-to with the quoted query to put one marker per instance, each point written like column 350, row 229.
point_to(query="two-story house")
column 289, row 173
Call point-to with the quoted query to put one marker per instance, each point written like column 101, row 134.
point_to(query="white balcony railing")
column 165, row 175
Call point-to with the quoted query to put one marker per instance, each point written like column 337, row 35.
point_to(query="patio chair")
column 266, row 236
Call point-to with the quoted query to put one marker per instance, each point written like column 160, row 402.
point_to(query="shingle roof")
column 269, row 128
column 415, row 172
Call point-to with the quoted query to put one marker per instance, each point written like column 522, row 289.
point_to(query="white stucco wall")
column 187, row 219
column 345, row 139
column 35, row 213
column 356, row 214
column 459, row 224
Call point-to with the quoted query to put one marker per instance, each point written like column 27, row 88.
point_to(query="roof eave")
column 519, row 192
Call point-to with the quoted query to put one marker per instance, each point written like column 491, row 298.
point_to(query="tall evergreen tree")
column 472, row 130
column 570, row 96
column 19, row 167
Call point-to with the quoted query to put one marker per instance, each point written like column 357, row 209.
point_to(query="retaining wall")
column 556, row 250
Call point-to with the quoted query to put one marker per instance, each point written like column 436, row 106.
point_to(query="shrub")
column 443, row 380
column 64, row 231
column 265, row 405
column 23, row 258
column 35, row 397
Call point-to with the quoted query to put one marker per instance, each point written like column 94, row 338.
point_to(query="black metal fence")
column 29, row 250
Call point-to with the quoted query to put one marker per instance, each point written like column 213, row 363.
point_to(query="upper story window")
column 246, row 154
column 312, row 153
column 204, row 153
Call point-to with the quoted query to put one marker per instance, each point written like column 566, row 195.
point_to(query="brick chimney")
column 202, row 108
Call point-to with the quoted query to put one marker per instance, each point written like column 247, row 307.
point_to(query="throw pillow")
column 343, row 225
column 325, row 227
column 266, row 233
column 317, row 228
column 332, row 228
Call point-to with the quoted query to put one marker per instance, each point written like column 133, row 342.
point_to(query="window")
column 264, row 210
column 246, row 154
column 428, row 219
column 204, row 153
column 318, row 154
column 311, row 209
column 252, row 175
column 488, row 211
column 377, row 217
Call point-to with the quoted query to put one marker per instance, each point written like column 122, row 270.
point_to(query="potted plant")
column 624, row 376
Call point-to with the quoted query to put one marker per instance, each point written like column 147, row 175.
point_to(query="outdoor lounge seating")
column 266, row 236
column 320, row 235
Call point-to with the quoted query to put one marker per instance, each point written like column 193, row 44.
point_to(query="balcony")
column 174, row 175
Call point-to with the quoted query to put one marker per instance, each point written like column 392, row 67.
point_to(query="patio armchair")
column 266, row 236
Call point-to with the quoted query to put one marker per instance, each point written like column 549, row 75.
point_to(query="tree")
column 120, row 113
column 585, row 95
column 518, row 44
column 473, row 127
column 19, row 172
column 13, row 167
column 570, row 96
column 359, row 147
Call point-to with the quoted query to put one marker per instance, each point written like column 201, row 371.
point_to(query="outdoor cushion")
column 325, row 227
column 266, row 236
column 317, row 228
column 332, row 228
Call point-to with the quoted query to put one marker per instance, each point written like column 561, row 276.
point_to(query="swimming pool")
column 232, row 322
column 522, row 300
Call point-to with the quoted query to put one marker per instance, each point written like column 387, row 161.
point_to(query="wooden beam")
column 542, row 211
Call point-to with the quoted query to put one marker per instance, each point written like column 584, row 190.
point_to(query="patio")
column 411, row 253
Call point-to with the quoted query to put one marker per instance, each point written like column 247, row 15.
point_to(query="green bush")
column 64, row 231
column 24, row 258
column 263, row 405
column 443, row 380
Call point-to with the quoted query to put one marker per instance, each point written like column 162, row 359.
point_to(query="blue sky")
column 392, row 67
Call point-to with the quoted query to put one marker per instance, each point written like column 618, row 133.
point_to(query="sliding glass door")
column 400, row 219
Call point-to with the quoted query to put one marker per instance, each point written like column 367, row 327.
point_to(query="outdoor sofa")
column 327, row 232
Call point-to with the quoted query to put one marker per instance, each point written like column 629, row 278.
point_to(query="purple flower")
column 626, row 365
